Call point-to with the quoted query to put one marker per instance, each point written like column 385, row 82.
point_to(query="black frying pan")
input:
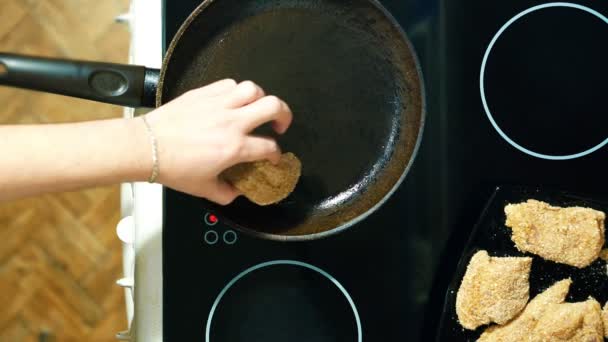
column 345, row 68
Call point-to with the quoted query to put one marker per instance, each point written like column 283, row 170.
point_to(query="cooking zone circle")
column 283, row 300
column 524, row 83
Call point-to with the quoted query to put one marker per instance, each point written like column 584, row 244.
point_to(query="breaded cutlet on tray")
column 492, row 235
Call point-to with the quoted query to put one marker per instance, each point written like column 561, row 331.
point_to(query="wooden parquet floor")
column 59, row 255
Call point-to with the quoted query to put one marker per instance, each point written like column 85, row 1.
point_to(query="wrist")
column 141, row 151
column 154, row 144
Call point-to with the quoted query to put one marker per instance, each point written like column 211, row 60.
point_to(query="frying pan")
column 346, row 68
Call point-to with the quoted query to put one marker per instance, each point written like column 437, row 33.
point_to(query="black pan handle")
column 125, row 85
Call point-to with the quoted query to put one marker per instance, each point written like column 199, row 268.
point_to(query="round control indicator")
column 211, row 219
column 230, row 237
column 211, row 237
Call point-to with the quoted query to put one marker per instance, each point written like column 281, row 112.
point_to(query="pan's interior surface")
column 351, row 79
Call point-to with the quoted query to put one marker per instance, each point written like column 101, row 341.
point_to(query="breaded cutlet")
column 494, row 289
column 522, row 326
column 572, row 236
column 264, row 183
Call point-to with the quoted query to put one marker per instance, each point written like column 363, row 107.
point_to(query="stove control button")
column 211, row 219
column 230, row 237
column 126, row 230
column 124, row 18
column 123, row 336
column 125, row 282
column 211, row 237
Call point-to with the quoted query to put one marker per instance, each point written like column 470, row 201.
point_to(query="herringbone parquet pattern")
column 59, row 256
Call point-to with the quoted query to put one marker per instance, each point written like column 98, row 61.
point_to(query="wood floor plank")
column 59, row 256
column 11, row 13
column 19, row 282
column 16, row 330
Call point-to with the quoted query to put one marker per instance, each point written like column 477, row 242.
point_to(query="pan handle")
column 125, row 85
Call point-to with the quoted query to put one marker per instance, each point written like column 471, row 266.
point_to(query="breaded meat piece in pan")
column 265, row 183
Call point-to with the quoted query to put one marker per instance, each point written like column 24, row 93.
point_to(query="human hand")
column 207, row 130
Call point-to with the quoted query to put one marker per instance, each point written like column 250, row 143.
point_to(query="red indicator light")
column 210, row 219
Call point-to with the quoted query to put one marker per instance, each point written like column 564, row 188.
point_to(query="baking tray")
column 491, row 234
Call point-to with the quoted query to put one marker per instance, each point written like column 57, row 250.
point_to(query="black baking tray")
column 491, row 234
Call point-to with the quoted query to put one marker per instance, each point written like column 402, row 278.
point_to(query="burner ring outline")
column 291, row 263
column 482, row 79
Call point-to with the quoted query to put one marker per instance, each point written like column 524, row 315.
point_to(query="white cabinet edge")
column 145, row 22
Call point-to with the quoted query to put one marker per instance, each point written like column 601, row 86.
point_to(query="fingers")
column 258, row 108
column 222, row 193
column 243, row 94
column 216, row 88
column 259, row 148
column 266, row 109
column 254, row 148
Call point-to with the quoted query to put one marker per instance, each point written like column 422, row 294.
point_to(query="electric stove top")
column 537, row 117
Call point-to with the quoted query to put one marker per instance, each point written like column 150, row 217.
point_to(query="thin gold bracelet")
column 154, row 143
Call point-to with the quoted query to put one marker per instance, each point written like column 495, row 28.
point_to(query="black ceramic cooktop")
column 538, row 117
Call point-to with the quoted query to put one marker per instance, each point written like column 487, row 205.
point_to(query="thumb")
column 222, row 193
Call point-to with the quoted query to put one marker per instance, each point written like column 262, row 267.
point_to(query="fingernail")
column 280, row 130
